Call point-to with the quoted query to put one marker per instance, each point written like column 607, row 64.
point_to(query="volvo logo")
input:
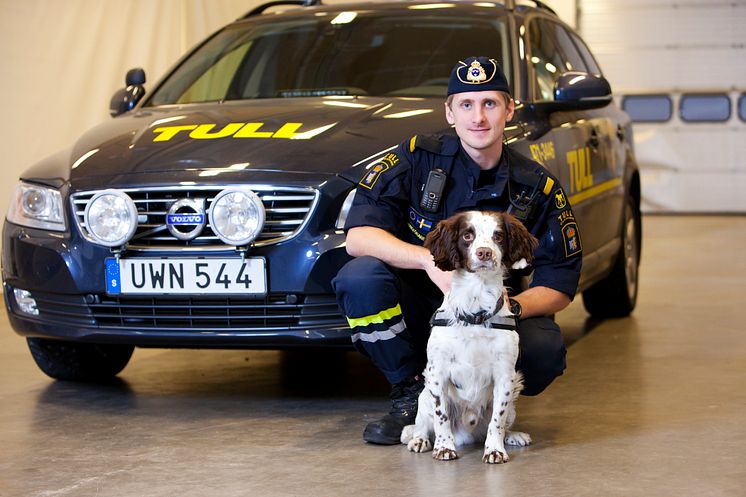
column 186, row 218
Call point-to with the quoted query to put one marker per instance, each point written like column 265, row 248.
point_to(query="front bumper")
column 65, row 274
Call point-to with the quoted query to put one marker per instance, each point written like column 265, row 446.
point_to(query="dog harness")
column 482, row 318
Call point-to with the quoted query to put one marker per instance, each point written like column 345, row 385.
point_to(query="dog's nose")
column 484, row 254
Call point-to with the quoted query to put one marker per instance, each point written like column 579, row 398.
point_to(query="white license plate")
column 186, row 276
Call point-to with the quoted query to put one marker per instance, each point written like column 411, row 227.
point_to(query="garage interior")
column 652, row 404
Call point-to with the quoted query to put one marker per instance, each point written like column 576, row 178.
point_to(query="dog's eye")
column 468, row 236
column 497, row 236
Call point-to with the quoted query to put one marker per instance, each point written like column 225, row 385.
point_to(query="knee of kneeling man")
column 360, row 274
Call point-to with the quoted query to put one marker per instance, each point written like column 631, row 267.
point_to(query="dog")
column 471, row 383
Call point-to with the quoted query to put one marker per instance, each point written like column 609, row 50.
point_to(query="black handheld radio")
column 433, row 192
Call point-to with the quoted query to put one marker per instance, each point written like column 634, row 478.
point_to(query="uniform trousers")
column 389, row 310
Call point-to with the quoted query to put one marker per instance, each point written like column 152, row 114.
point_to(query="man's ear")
column 510, row 109
column 449, row 114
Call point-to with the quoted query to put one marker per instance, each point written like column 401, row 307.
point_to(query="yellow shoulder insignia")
column 412, row 143
column 548, row 186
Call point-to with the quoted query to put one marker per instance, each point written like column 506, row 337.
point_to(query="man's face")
column 479, row 118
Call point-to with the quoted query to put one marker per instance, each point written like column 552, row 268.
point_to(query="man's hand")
column 375, row 242
column 442, row 279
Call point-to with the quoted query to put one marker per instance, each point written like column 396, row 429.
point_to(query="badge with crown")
column 476, row 72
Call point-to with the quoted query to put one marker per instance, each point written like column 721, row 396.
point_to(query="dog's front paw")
column 444, row 454
column 495, row 457
column 518, row 438
column 419, row 445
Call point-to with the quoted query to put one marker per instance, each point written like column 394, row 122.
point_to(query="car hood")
column 317, row 136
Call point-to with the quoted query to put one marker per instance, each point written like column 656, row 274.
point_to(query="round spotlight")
column 237, row 216
column 111, row 218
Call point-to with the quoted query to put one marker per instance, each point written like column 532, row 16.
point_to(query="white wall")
column 673, row 47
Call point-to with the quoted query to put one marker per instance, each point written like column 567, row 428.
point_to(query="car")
column 209, row 212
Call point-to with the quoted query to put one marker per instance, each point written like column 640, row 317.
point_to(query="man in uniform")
column 392, row 287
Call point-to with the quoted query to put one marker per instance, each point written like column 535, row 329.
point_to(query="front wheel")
column 79, row 361
column 616, row 295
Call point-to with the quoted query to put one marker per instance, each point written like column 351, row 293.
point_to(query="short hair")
column 506, row 97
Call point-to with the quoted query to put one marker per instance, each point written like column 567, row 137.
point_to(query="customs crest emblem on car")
column 186, row 218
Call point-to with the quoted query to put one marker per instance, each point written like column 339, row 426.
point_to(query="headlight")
column 37, row 207
column 342, row 218
column 237, row 216
column 111, row 218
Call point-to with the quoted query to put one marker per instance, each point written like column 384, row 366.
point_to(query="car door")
column 578, row 140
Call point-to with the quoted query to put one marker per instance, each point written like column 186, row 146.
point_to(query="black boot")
column 387, row 430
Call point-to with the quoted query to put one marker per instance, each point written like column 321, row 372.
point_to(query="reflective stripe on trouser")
column 368, row 294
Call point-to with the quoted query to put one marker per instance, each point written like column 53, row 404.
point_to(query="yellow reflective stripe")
column 548, row 186
column 412, row 142
column 595, row 190
column 375, row 318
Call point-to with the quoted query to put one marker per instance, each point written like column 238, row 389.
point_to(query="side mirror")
column 125, row 99
column 580, row 90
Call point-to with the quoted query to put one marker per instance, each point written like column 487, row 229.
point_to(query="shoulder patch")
column 427, row 143
column 371, row 176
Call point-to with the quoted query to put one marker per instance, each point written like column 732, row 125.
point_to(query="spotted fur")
column 470, row 380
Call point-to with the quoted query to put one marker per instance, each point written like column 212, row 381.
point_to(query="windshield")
column 346, row 53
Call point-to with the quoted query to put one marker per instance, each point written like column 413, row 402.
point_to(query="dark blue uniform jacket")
column 388, row 197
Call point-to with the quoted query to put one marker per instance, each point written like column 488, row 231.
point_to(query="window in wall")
column 742, row 107
column 648, row 108
column 704, row 108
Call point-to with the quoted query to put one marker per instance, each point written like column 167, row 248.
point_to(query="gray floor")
column 652, row 405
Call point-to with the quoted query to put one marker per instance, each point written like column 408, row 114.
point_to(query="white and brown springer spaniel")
column 470, row 380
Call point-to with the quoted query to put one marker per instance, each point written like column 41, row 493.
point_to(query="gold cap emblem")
column 476, row 73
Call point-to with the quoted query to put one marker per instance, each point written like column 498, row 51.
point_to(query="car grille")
column 287, row 210
column 274, row 313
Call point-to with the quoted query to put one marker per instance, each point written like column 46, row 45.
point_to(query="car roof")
column 292, row 9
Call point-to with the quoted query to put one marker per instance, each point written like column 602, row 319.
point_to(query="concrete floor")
column 652, row 405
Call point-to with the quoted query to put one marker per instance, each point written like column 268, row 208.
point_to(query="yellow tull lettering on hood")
column 233, row 130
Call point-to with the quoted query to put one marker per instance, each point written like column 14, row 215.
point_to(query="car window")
column 704, row 108
column 545, row 58
column 573, row 60
column 372, row 54
column 648, row 108
column 590, row 61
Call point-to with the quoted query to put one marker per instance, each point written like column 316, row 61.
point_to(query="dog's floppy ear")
column 442, row 242
column 518, row 242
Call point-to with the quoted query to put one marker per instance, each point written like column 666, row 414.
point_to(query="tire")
column 79, row 361
column 616, row 295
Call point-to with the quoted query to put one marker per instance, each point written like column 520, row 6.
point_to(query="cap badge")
column 476, row 72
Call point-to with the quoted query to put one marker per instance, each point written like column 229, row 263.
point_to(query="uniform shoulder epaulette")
column 531, row 174
column 427, row 143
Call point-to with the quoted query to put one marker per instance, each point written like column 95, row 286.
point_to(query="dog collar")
column 482, row 318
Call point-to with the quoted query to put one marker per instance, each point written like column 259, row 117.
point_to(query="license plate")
column 186, row 276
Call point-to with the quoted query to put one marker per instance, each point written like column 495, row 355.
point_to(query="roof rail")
column 511, row 4
column 258, row 10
